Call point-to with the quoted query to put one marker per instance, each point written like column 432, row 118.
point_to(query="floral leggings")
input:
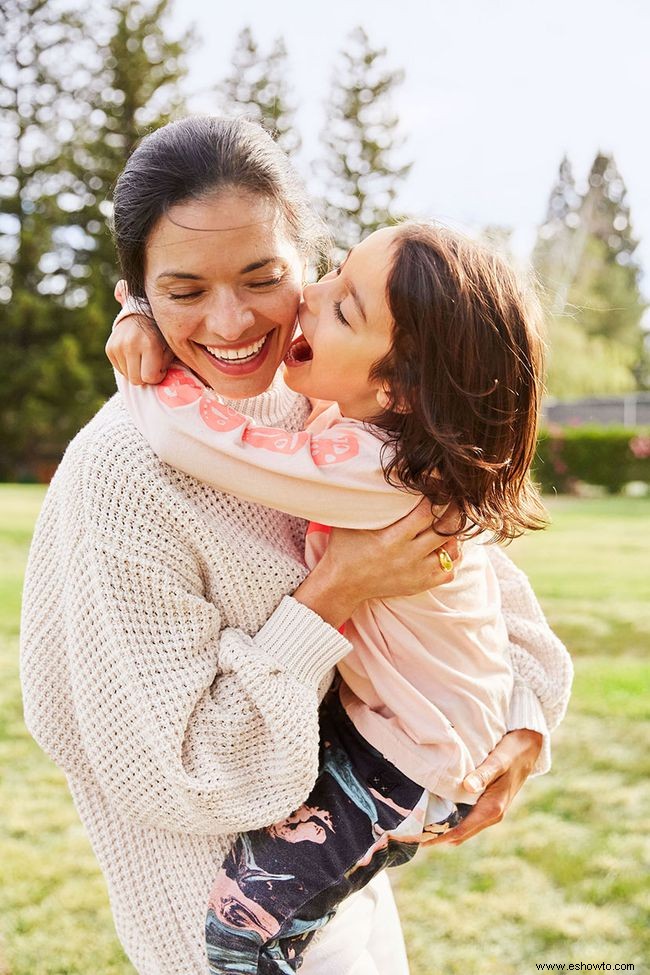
column 279, row 885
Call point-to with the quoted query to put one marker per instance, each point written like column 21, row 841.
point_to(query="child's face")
column 347, row 327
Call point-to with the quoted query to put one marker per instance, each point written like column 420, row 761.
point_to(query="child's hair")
column 464, row 380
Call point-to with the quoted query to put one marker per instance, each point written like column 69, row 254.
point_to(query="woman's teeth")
column 236, row 355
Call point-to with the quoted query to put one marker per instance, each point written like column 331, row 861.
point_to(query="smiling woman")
column 218, row 310
column 175, row 648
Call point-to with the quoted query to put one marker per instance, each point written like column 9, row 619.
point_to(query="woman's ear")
column 383, row 398
column 385, row 401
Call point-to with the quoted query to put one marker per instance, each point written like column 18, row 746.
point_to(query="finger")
column 450, row 521
column 432, row 541
column 452, row 548
column 487, row 772
column 134, row 368
column 110, row 354
column 416, row 521
column 119, row 364
column 435, row 573
column 423, row 548
column 152, row 370
column 488, row 811
column 427, row 839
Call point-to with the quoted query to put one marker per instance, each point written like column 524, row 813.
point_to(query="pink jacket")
column 428, row 680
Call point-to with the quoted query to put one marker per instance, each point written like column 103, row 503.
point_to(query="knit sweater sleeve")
column 186, row 724
column 330, row 472
column 542, row 666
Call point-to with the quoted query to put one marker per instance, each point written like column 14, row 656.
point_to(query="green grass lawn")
column 564, row 878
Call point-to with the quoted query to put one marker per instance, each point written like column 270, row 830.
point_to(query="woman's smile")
column 238, row 360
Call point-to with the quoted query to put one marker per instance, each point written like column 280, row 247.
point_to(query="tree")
column 554, row 254
column 42, row 54
column 361, row 144
column 73, row 100
column 135, row 91
column 584, row 258
column 583, row 365
column 257, row 88
column 605, row 290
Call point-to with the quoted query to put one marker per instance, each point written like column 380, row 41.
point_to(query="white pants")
column 364, row 937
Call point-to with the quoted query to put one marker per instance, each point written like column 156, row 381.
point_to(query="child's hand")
column 136, row 347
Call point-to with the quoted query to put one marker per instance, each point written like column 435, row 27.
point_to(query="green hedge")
column 607, row 456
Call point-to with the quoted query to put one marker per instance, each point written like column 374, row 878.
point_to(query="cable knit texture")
column 170, row 675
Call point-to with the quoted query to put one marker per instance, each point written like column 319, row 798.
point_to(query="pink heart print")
column 335, row 449
column 179, row 388
column 278, row 441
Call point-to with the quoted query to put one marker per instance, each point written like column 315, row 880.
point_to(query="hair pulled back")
column 464, row 376
column 193, row 158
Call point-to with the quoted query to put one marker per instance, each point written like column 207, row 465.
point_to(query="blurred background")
column 520, row 123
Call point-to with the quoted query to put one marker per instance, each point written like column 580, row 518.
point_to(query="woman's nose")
column 228, row 317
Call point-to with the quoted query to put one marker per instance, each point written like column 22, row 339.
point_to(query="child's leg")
column 279, row 885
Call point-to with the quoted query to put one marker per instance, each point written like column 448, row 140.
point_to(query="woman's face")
column 223, row 280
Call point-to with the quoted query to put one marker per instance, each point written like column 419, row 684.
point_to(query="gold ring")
column 444, row 558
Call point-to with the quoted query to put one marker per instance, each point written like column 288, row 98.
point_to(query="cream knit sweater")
column 168, row 673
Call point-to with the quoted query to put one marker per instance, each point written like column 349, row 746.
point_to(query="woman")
column 166, row 668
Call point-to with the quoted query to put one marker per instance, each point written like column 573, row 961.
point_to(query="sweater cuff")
column 526, row 712
column 301, row 642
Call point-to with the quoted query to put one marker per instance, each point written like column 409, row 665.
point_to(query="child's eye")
column 339, row 314
column 190, row 294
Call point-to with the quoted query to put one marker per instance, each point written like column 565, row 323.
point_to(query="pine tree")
column 361, row 142
column 605, row 291
column 73, row 101
column 555, row 253
column 42, row 77
column 136, row 91
column 257, row 88
column 584, row 258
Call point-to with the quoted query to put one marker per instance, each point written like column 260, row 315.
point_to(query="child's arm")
column 135, row 346
column 333, row 476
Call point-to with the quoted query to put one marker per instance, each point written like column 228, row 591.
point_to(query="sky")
column 495, row 92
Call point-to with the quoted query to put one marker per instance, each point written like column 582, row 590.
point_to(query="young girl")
column 427, row 349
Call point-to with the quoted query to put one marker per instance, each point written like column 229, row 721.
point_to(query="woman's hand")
column 499, row 778
column 400, row 560
column 135, row 346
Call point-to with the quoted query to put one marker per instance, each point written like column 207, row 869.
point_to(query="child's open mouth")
column 300, row 351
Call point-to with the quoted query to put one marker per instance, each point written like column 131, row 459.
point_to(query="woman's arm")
column 541, row 663
column 543, row 676
column 330, row 473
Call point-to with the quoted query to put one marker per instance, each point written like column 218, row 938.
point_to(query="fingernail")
column 474, row 782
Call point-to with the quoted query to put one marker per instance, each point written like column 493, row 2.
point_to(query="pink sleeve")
column 333, row 476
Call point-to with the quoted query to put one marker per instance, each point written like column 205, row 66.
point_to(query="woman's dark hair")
column 463, row 376
column 194, row 158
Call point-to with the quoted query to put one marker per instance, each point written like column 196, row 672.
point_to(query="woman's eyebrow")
column 256, row 265
column 186, row 276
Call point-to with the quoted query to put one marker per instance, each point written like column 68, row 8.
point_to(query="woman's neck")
column 272, row 406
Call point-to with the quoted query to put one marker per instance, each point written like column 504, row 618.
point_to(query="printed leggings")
column 279, row 885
